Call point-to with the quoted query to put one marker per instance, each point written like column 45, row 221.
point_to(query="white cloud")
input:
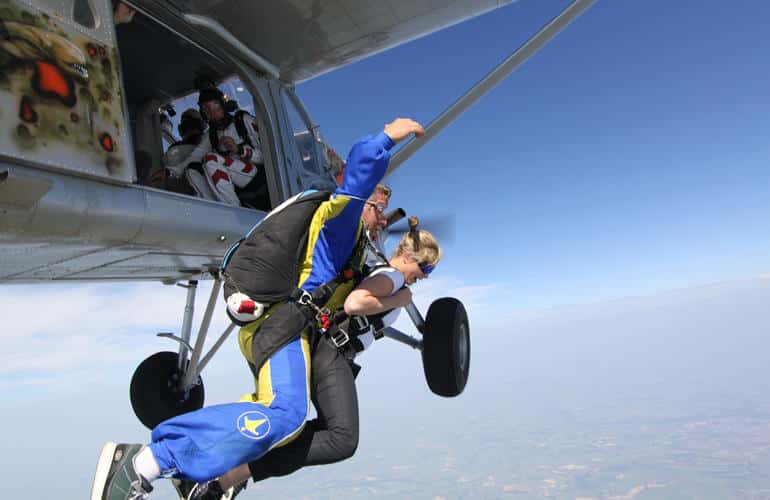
column 480, row 300
column 90, row 332
column 58, row 336
column 78, row 328
column 75, row 328
column 678, row 297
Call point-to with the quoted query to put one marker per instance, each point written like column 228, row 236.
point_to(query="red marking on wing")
column 107, row 143
column 49, row 80
column 228, row 161
column 26, row 112
column 247, row 168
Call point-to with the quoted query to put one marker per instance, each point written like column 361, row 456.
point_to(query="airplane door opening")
column 163, row 73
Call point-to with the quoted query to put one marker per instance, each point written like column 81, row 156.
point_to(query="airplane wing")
column 306, row 38
column 53, row 227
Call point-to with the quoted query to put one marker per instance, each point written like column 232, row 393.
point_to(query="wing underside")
column 306, row 38
column 84, row 230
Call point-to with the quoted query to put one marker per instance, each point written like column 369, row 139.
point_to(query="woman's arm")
column 373, row 296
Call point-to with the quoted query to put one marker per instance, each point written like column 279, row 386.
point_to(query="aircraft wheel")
column 446, row 353
column 155, row 395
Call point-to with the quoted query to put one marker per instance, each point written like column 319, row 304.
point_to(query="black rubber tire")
column 154, row 393
column 446, row 353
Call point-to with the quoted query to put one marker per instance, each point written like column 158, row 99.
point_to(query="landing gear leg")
column 167, row 383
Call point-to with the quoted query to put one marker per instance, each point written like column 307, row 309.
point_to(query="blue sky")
column 627, row 158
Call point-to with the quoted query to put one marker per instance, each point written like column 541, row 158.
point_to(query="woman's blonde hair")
column 427, row 251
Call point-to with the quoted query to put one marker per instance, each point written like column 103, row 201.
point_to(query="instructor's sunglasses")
column 380, row 209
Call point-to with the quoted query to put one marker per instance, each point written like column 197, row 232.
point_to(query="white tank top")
column 396, row 278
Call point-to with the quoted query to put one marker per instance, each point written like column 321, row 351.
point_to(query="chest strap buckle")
column 322, row 314
column 339, row 337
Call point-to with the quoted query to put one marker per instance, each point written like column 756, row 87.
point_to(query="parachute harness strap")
column 322, row 314
column 328, row 323
column 372, row 248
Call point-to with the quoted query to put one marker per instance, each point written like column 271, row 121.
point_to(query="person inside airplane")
column 230, row 153
column 333, row 435
column 204, row 444
column 175, row 179
column 191, row 127
column 191, row 179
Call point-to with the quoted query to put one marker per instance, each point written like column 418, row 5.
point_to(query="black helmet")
column 191, row 120
column 211, row 94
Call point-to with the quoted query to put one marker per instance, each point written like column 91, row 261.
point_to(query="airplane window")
column 235, row 89
column 80, row 11
column 313, row 174
column 171, row 115
column 180, row 138
column 83, row 13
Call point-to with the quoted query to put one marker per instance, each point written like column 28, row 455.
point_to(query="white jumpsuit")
column 224, row 170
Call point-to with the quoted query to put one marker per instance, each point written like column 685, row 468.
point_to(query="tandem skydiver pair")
column 205, row 444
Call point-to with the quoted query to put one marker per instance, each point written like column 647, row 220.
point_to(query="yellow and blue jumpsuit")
column 206, row 443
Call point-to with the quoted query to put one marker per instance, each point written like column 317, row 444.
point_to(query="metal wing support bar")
column 491, row 80
column 191, row 368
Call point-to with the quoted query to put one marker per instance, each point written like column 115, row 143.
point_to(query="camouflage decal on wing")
column 60, row 98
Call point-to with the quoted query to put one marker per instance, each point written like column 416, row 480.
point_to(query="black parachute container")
column 265, row 263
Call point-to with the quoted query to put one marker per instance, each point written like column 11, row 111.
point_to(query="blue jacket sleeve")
column 366, row 165
column 334, row 227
